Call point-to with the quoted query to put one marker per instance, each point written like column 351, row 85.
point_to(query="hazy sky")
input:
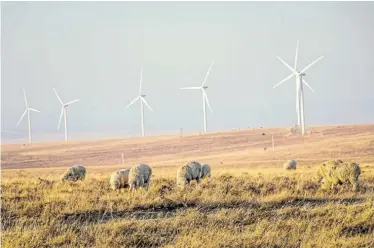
column 94, row 51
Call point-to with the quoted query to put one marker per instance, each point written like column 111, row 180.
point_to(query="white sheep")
column 119, row 179
column 205, row 171
column 140, row 176
column 74, row 173
column 289, row 165
column 189, row 172
column 335, row 172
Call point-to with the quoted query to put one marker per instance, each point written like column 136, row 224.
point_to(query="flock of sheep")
column 140, row 175
column 329, row 174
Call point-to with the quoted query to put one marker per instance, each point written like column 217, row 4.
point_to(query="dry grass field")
column 250, row 202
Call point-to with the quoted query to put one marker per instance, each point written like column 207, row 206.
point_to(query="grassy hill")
column 250, row 202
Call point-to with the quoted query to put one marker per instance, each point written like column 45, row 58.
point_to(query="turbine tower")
column 27, row 110
column 299, row 87
column 142, row 100
column 203, row 87
column 64, row 113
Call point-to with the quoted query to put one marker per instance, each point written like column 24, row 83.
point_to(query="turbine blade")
column 58, row 97
column 59, row 121
column 21, row 117
column 145, row 102
column 190, row 88
column 206, row 76
column 287, row 65
column 308, row 85
column 136, row 98
column 207, row 101
column 24, row 94
column 315, row 61
column 35, row 110
column 141, row 79
column 77, row 100
column 284, row 80
column 297, row 50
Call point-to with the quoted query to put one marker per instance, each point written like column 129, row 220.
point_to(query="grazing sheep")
column 140, row 176
column 189, row 172
column 196, row 169
column 74, row 173
column 337, row 172
column 184, row 175
column 324, row 169
column 289, row 165
column 119, row 179
column 205, row 171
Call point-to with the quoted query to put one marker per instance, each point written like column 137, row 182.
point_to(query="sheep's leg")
column 354, row 182
column 147, row 185
column 326, row 184
column 197, row 182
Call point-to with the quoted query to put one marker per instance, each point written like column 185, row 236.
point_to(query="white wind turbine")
column 203, row 87
column 64, row 113
column 299, row 87
column 142, row 100
column 27, row 110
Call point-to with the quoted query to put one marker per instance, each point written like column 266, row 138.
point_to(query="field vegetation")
column 248, row 203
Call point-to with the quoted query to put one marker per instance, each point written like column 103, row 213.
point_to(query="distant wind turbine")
column 299, row 87
column 142, row 100
column 64, row 113
column 203, row 87
column 27, row 110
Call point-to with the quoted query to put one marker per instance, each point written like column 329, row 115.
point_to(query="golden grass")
column 249, row 209
column 250, row 202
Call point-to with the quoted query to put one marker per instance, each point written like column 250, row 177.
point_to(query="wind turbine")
column 64, row 113
column 142, row 100
column 203, row 87
column 299, row 86
column 27, row 110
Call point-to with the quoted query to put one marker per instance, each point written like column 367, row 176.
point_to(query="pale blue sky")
column 95, row 51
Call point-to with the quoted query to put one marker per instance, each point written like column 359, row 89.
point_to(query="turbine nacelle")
column 205, row 87
column 294, row 71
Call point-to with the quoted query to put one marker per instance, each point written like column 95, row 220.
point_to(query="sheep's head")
column 69, row 175
column 116, row 185
column 320, row 173
column 65, row 177
column 132, row 185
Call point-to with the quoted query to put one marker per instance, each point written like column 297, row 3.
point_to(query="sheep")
column 119, row 179
column 336, row 172
column 74, row 173
column 189, row 172
column 140, row 176
column 324, row 169
column 205, row 171
column 184, row 175
column 289, row 165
